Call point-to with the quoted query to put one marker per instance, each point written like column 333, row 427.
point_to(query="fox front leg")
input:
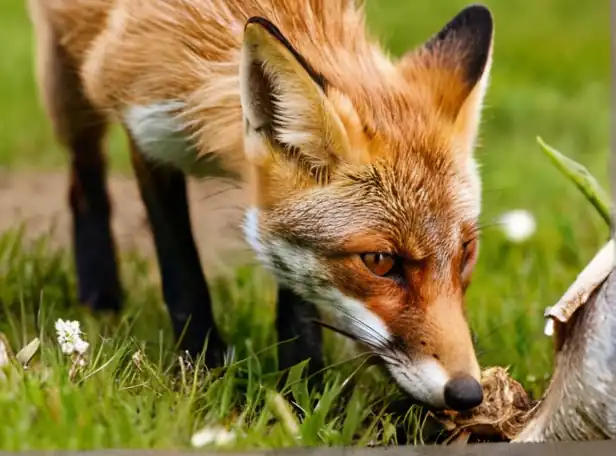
column 299, row 338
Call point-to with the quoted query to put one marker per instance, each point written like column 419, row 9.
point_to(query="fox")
column 360, row 167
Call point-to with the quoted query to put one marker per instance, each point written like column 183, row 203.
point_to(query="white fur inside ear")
column 302, row 113
column 249, row 110
column 293, row 107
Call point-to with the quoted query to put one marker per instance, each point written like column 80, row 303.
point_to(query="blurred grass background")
column 549, row 78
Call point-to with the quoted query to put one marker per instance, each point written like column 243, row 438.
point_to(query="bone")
column 583, row 286
column 580, row 403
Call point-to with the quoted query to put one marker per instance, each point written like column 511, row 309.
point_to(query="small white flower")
column 81, row 346
column 518, row 225
column 66, row 348
column 215, row 435
column 69, row 337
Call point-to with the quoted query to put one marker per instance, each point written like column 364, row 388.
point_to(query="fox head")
column 367, row 195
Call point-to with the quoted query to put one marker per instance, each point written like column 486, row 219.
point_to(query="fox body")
column 365, row 192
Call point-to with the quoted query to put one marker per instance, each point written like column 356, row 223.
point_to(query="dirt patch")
column 39, row 201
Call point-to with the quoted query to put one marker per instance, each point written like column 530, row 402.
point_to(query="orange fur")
column 140, row 51
column 383, row 148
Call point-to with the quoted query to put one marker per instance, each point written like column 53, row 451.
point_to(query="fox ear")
column 455, row 64
column 284, row 104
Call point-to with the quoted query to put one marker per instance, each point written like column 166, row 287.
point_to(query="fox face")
column 367, row 194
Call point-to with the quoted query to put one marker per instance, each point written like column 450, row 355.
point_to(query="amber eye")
column 379, row 263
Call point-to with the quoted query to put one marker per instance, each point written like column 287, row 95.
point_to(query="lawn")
column 550, row 79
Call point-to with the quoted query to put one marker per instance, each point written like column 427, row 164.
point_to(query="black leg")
column 81, row 129
column 93, row 245
column 185, row 290
column 299, row 338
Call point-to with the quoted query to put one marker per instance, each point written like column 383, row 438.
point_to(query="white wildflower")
column 69, row 337
column 215, row 435
column 81, row 346
column 518, row 225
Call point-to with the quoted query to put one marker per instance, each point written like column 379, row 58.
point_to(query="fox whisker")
column 378, row 351
column 340, row 331
column 381, row 342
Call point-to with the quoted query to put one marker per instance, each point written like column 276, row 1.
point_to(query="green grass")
column 116, row 402
column 550, row 78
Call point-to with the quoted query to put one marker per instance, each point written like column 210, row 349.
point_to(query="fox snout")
column 436, row 362
column 427, row 381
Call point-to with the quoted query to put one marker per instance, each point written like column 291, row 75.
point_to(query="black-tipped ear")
column 285, row 108
column 277, row 34
column 466, row 40
column 454, row 66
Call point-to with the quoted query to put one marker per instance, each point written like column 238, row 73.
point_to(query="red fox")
column 365, row 191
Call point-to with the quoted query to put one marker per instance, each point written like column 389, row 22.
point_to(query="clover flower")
column 69, row 337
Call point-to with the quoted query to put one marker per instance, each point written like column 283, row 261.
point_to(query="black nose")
column 463, row 393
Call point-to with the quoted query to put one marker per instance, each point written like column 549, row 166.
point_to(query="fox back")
column 365, row 190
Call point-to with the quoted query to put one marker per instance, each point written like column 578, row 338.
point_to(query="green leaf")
column 582, row 178
column 26, row 354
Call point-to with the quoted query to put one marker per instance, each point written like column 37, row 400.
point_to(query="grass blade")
column 581, row 177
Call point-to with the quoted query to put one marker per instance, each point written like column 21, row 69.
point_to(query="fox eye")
column 380, row 264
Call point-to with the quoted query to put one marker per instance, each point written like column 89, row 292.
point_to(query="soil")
column 39, row 201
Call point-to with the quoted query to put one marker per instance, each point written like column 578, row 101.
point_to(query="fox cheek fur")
column 338, row 177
